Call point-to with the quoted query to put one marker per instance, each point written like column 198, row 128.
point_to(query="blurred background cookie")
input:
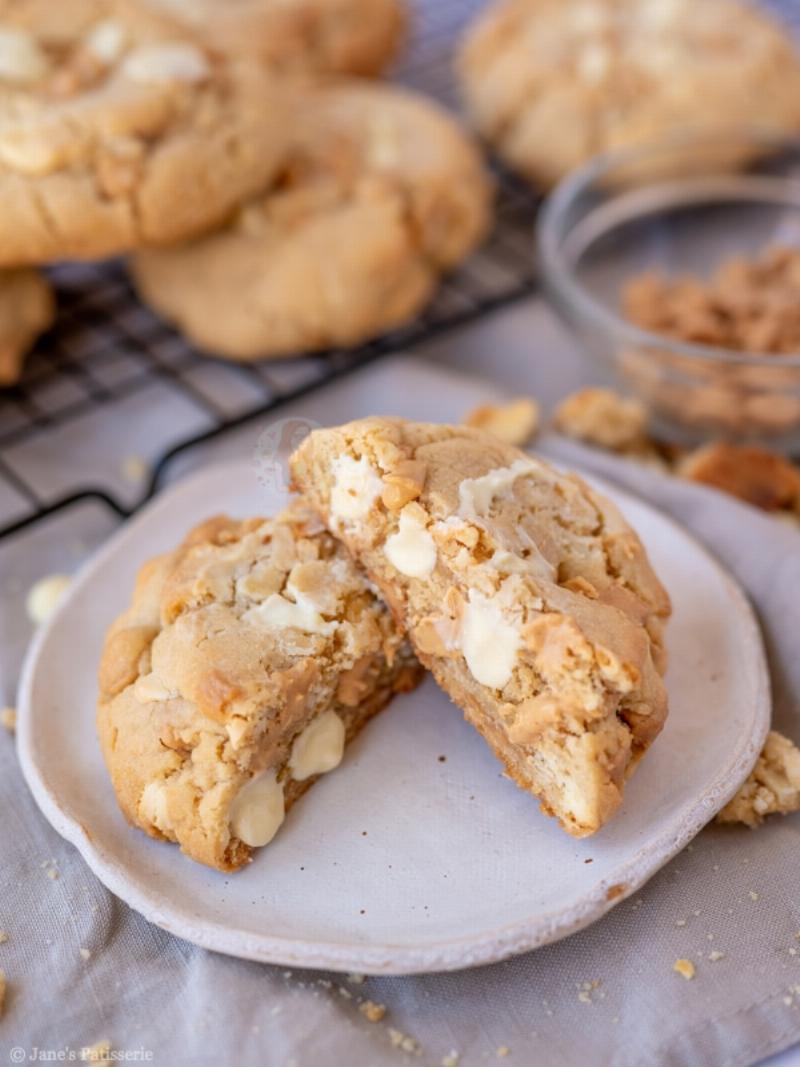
column 550, row 84
column 27, row 309
column 118, row 127
column 380, row 195
column 340, row 36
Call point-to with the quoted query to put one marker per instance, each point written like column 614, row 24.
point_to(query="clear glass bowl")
column 680, row 207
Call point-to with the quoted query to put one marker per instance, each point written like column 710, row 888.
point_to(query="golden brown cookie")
column 381, row 194
column 525, row 593
column 551, row 84
column 118, row 127
column 247, row 660
column 334, row 36
column 27, row 309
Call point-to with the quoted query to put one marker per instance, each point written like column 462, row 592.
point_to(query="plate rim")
column 449, row 954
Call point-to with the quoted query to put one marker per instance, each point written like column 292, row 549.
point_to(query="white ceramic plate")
column 416, row 855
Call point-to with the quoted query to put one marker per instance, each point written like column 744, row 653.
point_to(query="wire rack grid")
column 106, row 349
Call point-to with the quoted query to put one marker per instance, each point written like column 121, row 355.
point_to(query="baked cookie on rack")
column 248, row 658
column 525, row 592
column 118, row 127
column 551, row 84
column 380, row 195
column 27, row 309
column 331, row 36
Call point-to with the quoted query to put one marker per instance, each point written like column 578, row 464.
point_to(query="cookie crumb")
column 3, row 987
column 515, row 423
column 44, row 596
column 85, row 954
column 371, row 1011
column 134, row 469
column 52, row 873
column 451, row 1059
column 345, row 993
column 753, row 895
column 716, row 955
column 402, row 1041
column 3, row 937
column 355, row 979
column 8, row 718
column 773, row 787
column 685, row 968
column 602, row 417
column 503, row 1051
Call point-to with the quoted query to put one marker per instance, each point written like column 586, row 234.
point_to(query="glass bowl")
column 680, row 207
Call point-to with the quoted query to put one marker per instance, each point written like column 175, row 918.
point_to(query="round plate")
column 417, row 854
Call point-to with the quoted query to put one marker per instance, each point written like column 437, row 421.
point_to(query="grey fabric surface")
column 734, row 891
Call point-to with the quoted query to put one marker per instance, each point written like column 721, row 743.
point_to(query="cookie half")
column 119, row 127
column 526, row 593
column 27, row 309
column 247, row 660
column 381, row 194
column 330, row 36
column 551, row 84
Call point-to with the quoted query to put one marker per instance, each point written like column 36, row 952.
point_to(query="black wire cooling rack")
column 106, row 347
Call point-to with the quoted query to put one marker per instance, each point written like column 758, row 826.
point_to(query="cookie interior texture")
column 118, row 126
column 525, row 592
column 246, row 659
column 550, row 84
column 381, row 194
column 330, row 36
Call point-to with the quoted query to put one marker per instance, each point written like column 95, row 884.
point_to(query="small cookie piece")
column 247, row 660
column 27, row 309
column 551, row 84
column 516, row 423
column 118, row 127
column 762, row 478
column 381, row 194
column 602, row 417
column 525, row 593
column 773, row 787
column 330, row 36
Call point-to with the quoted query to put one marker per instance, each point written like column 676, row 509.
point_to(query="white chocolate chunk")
column 21, row 58
column 258, row 810
column 106, row 41
column 475, row 495
column 44, row 596
column 153, row 805
column 356, row 488
column 150, row 688
column 411, row 550
column 278, row 613
column 319, row 748
column 489, row 641
column 163, row 63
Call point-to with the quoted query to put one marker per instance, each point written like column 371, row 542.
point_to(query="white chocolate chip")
column 106, row 41
column 277, row 612
column 411, row 550
column 21, row 58
column 475, row 495
column 319, row 748
column 356, row 488
column 44, row 595
column 162, row 63
column 153, row 805
column 489, row 641
column 150, row 688
column 258, row 810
